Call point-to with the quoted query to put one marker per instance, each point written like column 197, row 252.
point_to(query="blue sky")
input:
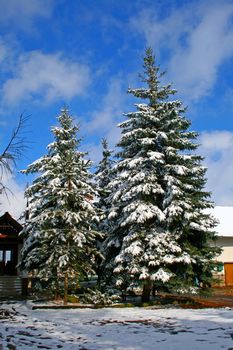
column 85, row 54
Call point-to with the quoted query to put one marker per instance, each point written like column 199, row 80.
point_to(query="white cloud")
column 216, row 141
column 14, row 202
column 45, row 77
column 103, row 121
column 217, row 148
column 198, row 37
column 15, row 13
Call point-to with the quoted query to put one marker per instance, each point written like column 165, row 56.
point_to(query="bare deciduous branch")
column 12, row 152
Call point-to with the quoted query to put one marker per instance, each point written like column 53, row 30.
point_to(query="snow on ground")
column 115, row 329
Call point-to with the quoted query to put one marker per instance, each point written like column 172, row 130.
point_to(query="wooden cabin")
column 12, row 282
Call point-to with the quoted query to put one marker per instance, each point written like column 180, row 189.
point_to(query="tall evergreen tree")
column 103, row 178
column 160, row 232
column 59, row 234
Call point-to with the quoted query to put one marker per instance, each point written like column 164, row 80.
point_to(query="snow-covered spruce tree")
column 160, row 232
column 103, row 178
column 59, row 234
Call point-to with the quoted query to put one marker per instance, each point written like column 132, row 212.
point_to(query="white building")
column 225, row 240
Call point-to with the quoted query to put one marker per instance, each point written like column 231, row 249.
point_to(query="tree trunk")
column 56, row 292
column 146, row 292
column 65, row 289
column 77, row 281
column 153, row 290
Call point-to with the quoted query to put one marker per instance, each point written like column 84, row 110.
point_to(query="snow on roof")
column 225, row 217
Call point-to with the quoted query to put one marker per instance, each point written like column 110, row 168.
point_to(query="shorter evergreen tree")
column 59, row 232
column 103, row 177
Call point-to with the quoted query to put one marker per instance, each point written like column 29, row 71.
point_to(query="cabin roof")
column 7, row 221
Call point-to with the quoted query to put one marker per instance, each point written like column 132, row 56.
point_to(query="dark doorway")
column 8, row 261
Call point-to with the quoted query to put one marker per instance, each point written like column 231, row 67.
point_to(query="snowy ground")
column 115, row 329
